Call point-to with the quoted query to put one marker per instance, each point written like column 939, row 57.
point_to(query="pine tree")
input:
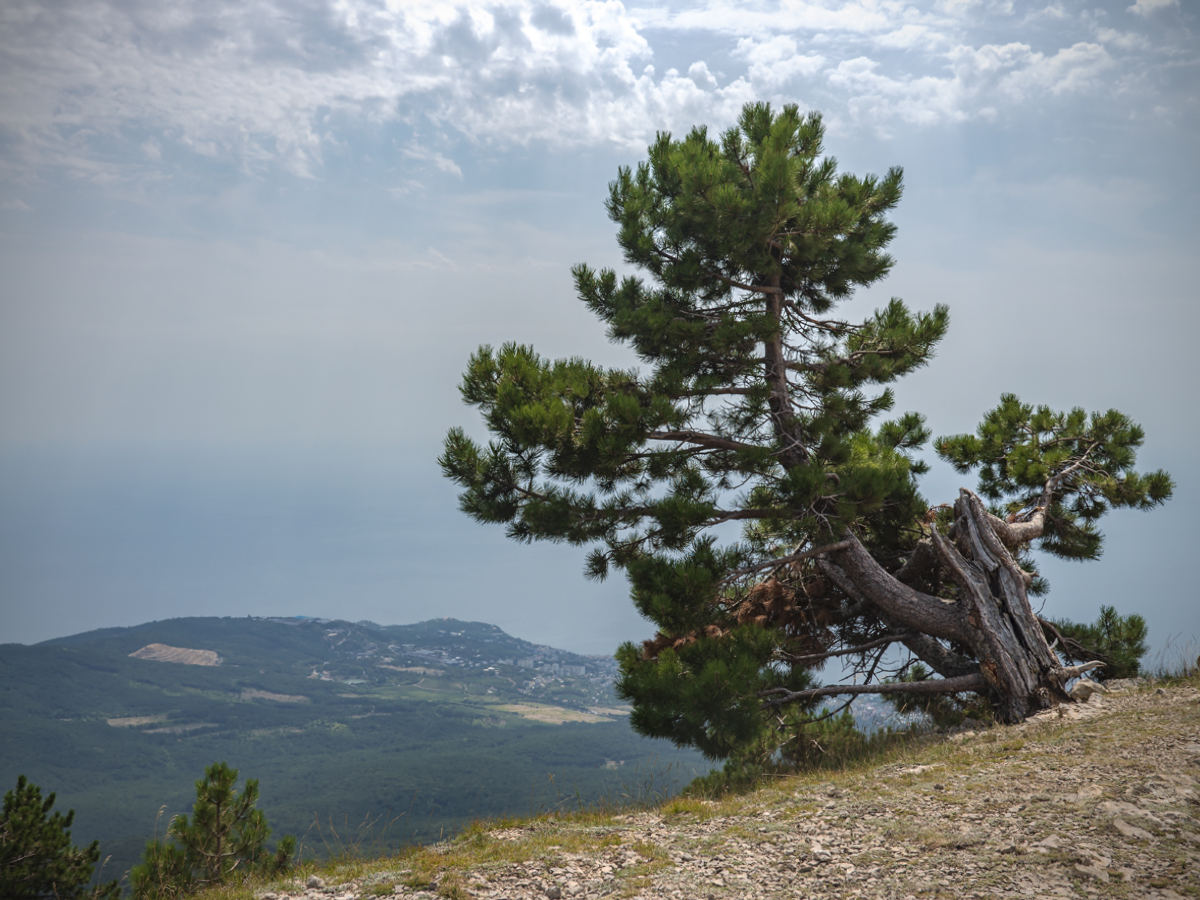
column 1119, row 641
column 225, row 838
column 760, row 406
column 37, row 858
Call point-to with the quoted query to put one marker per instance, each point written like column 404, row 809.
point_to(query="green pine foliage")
column 756, row 405
column 37, row 858
column 748, row 241
column 225, row 839
column 1118, row 641
column 1087, row 460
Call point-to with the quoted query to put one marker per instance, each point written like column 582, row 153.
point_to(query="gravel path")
column 1102, row 800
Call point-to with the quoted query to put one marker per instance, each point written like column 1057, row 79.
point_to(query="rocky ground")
column 1101, row 799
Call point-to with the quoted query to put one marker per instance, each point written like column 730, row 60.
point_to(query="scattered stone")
column 314, row 882
column 966, row 840
column 1094, row 871
column 1132, row 830
column 1121, row 808
column 1084, row 688
column 1048, row 843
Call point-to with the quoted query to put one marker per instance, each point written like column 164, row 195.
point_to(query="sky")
column 247, row 247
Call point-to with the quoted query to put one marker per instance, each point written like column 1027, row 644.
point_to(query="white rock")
column 1132, row 830
column 1095, row 871
column 1084, row 688
column 1121, row 808
column 1046, row 844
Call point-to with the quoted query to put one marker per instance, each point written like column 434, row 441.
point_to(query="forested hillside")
column 418, row 728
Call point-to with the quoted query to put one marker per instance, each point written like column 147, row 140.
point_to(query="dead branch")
column 972, row 682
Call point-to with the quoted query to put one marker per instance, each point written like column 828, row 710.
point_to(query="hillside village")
column 535, row 670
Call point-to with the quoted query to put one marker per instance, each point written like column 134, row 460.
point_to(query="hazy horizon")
column 246, row 249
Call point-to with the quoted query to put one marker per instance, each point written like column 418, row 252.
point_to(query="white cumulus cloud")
column 1149, row 7
column 111, row 89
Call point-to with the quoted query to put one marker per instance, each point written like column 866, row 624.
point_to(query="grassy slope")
column 932, row 816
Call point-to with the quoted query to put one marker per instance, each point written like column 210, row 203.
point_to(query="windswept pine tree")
column 759, row 405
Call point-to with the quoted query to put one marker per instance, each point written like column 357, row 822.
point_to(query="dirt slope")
column 1101, row 801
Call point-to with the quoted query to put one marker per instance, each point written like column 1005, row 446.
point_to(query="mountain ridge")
column 417, row 719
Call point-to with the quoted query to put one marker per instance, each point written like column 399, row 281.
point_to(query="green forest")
column 357, row 733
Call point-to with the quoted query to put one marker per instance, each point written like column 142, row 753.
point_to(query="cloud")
column 121, row 89
column 441, row 163
column 881, row 99
column 18, row 205
column 1122, row 40
column 762, row 19
column 1149, row 7
column 1073, row 69
column 777, row 61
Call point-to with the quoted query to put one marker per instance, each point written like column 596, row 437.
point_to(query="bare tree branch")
column 699, row 437
column 941, row 659
column 972, row 682
column 1075, row 671
column 929, row 614
column 871, row 645
column 784, row 560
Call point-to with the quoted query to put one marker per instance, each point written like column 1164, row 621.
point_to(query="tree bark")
column 992, row 614
column 1020, row 668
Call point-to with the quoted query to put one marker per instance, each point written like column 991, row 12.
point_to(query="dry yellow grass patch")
column 555, row 715
column 255, row 694
column 130, row 721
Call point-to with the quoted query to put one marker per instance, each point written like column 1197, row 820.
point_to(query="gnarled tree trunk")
column 991, row 615
column 1023, row 672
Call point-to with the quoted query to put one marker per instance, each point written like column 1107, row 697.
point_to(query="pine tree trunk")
column 991, row 615
column 1023, row 672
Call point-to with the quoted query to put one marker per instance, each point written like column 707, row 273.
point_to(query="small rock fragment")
column 1048, row 843
column 1083, row 689
column 1132, row 830
column 1123, row 809
column 1095, row 871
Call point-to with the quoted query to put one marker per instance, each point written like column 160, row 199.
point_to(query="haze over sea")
column 246, row 249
